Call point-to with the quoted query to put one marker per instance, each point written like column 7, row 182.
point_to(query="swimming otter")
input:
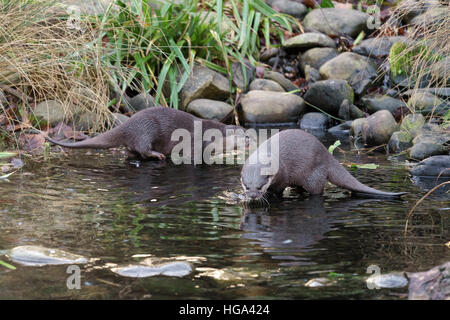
column 148, row 133
column 303, row 161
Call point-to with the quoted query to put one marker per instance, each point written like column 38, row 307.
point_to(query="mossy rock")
column 412, row 124
column 402, row 59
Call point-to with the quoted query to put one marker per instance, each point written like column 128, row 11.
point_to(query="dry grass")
column 421, row 60
column 41, row 58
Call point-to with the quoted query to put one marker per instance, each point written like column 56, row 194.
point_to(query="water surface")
column 99, row 205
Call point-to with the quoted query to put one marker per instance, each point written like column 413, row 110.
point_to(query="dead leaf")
column 32, row 142
column 342, row 5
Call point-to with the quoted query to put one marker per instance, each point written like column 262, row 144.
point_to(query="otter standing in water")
column 301, row 160
column 148, row 133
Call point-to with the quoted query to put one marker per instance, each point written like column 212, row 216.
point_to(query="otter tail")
column 110, row 139
column 339, row 176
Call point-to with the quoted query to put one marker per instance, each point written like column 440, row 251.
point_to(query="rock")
column 347, row 64
column 425, row 103
column 209, row 109
column 292, row 8
column 204, row 84
column 422, row 150
column 433, row 284
column 119, row 118
column 311, row 74
column 266, row 85
column 376, row 47
column 380, row 127
column 400, row 141
column 140, row 102
column 441, row 71
column 37, row 256
column 390, row 280
column 314, row 121
column 425, row 136
column 271, row 107
column 348, row 111
column 269, row 53
column 378, row 102
column 408, row 9
column 433, row 166
column 329, row 94
column 412, row 124
column 361, row 81
column 50, row 112
column 87, row 121
column 440, row 92
column 239, row 79
column 282, row 80
column 336, row 21
column 309, row 40
column 341, row 129
column 431, row 17
column 316, row 57
column 171, row 269
column 319, row 282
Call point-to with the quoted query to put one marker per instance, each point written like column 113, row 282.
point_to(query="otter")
column 303, row 161
column 148, row 133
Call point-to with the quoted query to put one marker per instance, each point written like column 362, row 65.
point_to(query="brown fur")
column 147, row 134
column 303, row 162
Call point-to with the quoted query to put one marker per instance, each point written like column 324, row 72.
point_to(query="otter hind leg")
column 315, row 182
column 146, row 152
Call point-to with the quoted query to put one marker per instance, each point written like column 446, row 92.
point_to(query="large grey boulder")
column 204, row 83
column 271, row 107
column 336, row 21
column 209, row 109
column 345, row 65
column 328, row 95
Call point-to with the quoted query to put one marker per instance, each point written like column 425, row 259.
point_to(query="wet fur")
column 304, row 162
column 147, row 134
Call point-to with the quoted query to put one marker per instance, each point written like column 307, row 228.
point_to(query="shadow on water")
column 98, row 205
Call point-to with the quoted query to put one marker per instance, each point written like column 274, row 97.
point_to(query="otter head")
column 254, row 183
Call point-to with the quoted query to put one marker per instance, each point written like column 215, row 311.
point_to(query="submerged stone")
column 390, row 280
column 37, row 256
column 171, row 269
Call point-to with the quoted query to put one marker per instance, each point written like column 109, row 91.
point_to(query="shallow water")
column 98, row 205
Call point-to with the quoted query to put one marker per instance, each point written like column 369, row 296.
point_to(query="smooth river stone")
column 171, row 269
column 37, row 256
